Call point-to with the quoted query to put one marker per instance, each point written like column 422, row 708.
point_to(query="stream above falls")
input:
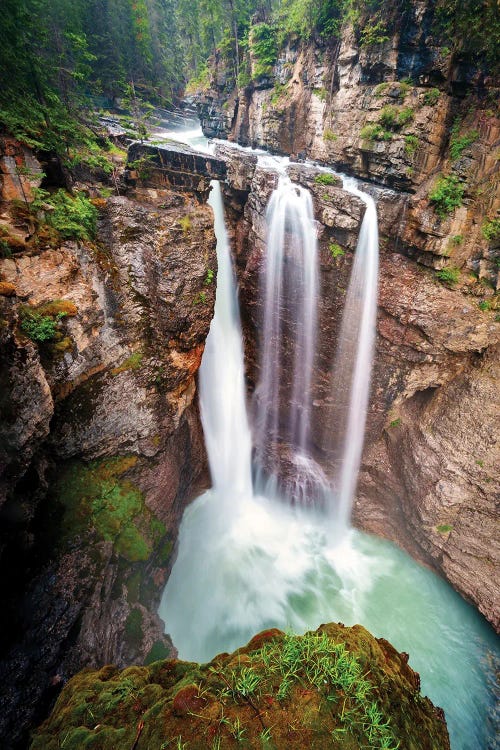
column 246, row 561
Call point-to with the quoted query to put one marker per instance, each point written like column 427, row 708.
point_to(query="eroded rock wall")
column 101, row 444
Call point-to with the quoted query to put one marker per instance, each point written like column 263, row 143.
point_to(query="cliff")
column 419, row 126
column 337, row 685
column 101, row 443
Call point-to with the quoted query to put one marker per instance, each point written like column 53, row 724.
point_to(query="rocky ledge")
column 336, row 686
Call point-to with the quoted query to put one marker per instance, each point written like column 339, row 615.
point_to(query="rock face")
column 279, row 691
column 174, row 166
column 429, row 477
column 100, row 439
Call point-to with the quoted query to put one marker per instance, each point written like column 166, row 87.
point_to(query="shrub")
column 388, row 117
column 405, row 117
column 485, row 305
column 37, row 327
column 325, row 179
column 374, row 132
column 74, row 217
column 491, row 230
column 431, row 97
column 411, row 144
column 373, row 33
column 446, row 195
column 448, row 275
column 459, row 144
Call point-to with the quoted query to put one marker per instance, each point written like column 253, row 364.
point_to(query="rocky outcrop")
column 279, row 691
column 175, row 166
column 428, row 478
column 101, row 443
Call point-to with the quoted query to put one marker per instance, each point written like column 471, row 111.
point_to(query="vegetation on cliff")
column 337, row 687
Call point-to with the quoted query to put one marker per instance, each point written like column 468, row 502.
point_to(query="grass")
column 491, row 230
column 336, row 674
column 431, row 97
column 458, row 144
column 325, row 179
column 329, row 135
column 131, row 363
column 411, row 144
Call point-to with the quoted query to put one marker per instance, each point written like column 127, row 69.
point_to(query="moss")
column 133, row 628
column 335, row 250
column 58, row 307
column 338, row 687
column 133, row 362
column 157, row 652
column 97, row 496
column 185, row 224
column 444, row 528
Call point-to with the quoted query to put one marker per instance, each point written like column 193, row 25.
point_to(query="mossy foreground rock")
column 335, row 688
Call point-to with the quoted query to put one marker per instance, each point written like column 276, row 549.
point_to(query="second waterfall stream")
column 247, row 560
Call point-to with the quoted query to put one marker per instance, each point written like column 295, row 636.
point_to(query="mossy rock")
column 336, row 687
column 98, row 496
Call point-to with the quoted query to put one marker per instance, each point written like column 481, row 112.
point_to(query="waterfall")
column 222, row 378
column 289, row 283
column 351, row 374
column 246, row 562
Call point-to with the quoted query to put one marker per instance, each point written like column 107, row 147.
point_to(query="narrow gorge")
column 249, row 390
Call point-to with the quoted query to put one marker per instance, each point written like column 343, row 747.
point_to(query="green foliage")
column 373, row 34
column 456, row 239
column 374, row 132
column 485, row 305
column 335, row 250
column 37, row 327
column 472, row 28
column 133, row 630
column 405, row 116
column 444, row 528
column 96, row 496
column 446, row 195
column 209, row 277
column 157, row 651
column 431, row 97
column 73, row 216
column 329, row 135
column 395, row 422
column 381, row 89
column 491, row 230
column 263, row 44
column 448, row 275
column 411, row 144
column 324, row 178
column 458, row 144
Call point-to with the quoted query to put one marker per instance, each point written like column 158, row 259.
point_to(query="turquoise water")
column 250, row 563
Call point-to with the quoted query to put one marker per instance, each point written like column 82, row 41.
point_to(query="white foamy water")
column 247, row 562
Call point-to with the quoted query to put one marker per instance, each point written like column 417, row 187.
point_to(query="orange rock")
column 7, row 289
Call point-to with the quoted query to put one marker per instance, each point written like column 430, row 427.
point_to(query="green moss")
column 133, row 362
column 133, row 628
column 97, row 496
column 444, row 528
column 491, row 230
column 411, row 144
column 395, row 422
column 381, row 89
column 329, row 135
column 185, row 224
column 337, row 687
column 459, row 143
column 158, row 651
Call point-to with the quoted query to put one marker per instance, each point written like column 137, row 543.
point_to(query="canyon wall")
column 422, row 129
column 101, row 444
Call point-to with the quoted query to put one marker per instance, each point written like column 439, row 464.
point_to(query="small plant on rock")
column 446, row 195
column 448, row 275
